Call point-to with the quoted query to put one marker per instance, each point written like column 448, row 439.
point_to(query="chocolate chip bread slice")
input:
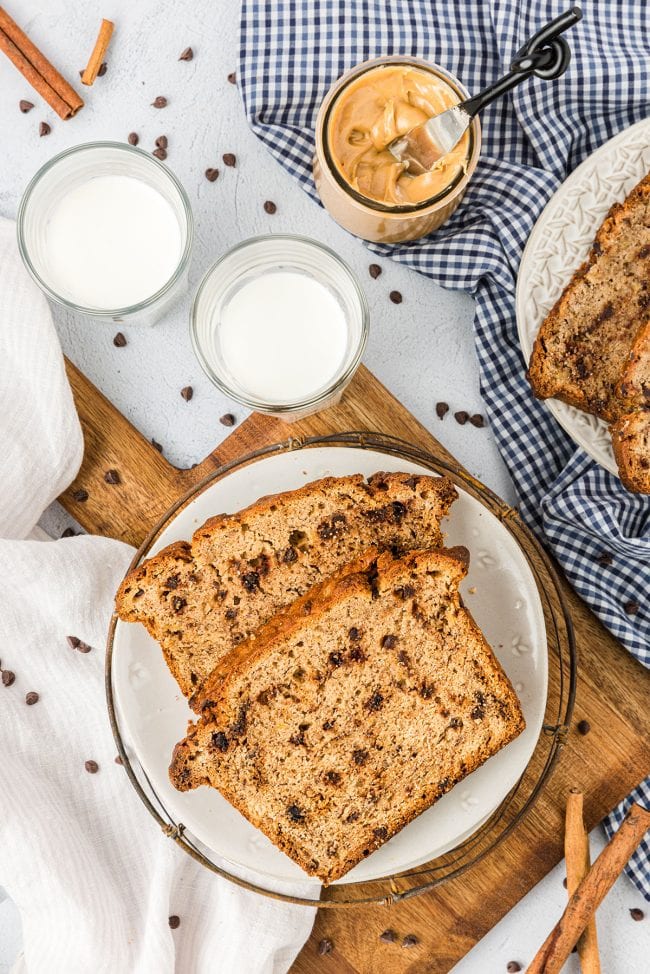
column 352, row 710
column 631, row 431
column 199, row 600
column 584, row 342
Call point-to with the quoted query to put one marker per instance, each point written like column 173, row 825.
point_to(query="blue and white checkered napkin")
column 292, row 51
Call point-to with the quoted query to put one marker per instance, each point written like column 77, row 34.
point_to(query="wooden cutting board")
column 612, row 689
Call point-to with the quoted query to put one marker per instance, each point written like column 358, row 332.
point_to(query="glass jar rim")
column 337, row 89
column 105, row 312
column 299, row 404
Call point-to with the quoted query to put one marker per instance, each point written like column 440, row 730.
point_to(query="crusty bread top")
column 585, row 340
column 199, row 600
column 353, row 710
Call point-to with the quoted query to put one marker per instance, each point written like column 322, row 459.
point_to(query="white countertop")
column 422, row 349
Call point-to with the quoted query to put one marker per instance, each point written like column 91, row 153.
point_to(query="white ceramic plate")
column 559, row 243
column 499, row 590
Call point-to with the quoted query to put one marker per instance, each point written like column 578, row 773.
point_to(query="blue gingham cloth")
column 290, row 53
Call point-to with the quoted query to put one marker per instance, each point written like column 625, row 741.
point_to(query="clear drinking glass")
column 258, row 256
column 70, row 169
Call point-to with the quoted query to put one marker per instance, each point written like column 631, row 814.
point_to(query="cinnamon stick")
column 98, row 52
column 590, row 893
column 576, row 851
column 36, row 69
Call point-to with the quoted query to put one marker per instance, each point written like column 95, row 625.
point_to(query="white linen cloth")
column 93, row 877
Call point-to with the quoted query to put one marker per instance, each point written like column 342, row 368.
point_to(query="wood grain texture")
column 612, row 690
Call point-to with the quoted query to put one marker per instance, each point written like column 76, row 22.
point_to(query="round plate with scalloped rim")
column 559, row 243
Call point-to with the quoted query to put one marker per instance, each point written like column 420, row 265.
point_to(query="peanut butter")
column 376, row 108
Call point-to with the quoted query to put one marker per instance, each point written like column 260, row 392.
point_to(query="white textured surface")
column 422, row 349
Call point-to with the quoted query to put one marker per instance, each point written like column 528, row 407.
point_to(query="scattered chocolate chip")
column 227, row 419
column 631, row 607
column 295, row 814
column 605, row 558
column 31, row 698
column 162, row 142
column 512, row 967
column 103, row 68
column 160, row 154
column 232, row 78
column 388, row 936
column 359, row 756
column 395, row 297
column 112, row 477
column 374, row 270
column 119, row 341
column 229, row 159
column 584, row 727
column 8, row 678
column 174, row 922
column 159, row 102
column 44, row 129
column 477, row 420
column 220, row 741
column 80, row 495
column 270, row 207
column 187, row 392
column 637, row 914
column 389, row 642
column 461, row 417
column 410, row 940
column 354, row 634
column 156, row 445
column 211, row 175
column 83, row 647
column 336, row 659
column 91, row 767
column 118, row 760
column 25, row 106
column 442, row 408
column 68, row 533
column 73, row 641
column 133, row 138
column 325, row 947
column 187, row 54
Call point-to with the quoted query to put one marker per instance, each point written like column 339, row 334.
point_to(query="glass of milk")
column 106, row 229
column 279, row 324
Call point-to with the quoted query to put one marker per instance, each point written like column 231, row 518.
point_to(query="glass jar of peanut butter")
column 363, row 187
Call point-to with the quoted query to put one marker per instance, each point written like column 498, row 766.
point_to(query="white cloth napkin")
column 93, row 877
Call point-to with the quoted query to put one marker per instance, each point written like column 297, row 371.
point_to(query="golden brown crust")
column 630, row 442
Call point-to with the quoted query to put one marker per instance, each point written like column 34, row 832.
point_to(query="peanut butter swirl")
column 376, row 108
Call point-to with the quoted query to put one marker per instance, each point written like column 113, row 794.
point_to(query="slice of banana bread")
column 585, row 340
column 199, row 600
column 631, row 431
column 352, row 710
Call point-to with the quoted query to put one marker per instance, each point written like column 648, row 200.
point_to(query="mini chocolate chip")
column 160, row 154
column 133, row 138
column 232, row 78
column 8, row 678
column 220, row 741
column 374, row 270
column 375, row 702
column 380, row 833
column 388, row 936
column 250, row 581
column 31, row 698
column 295, row 814
column 211, row 175
column 354, row 634
column 187, row 54
column 44, row 129
column 174, row 922
column 83, row 647
column 325, row 947
column 112, row 477
column 103, row 68
column 359, row 756
column 156, row 445
column 395, row 297
column 336, row 659
column 637, row 914
column 73, row 641
column 333, row 777
column 584, row 727
column 461, row 417
column 442, row 408
column 477, row 420
column 162, row 142
column 187, row 392
column 605, row 558
column 564, row 882
column 513, row 967
column 80, row 495
column 25, row 106
column 119, row 341
column 118, row 760
column 270, row 207
column 159, row 102
column 229, row 159
column 410, row 940
column 69, row 533
column 227, row 419
column 631, row 607
column 91, row 767
column 328, row 725
column 389, row 642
